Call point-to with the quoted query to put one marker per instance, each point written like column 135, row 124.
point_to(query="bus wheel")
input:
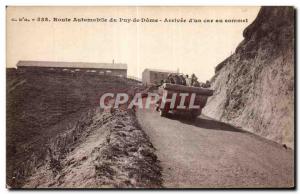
column 194, row 115
column 162, row 113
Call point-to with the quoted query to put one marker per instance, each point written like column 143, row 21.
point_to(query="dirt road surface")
column 207, row 153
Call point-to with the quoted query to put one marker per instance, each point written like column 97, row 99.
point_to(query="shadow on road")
column 205, row 122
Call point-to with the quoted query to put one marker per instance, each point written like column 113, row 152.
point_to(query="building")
column 113, row 69
column 154, row 76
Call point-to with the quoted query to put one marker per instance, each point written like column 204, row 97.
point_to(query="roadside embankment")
column 112, row 151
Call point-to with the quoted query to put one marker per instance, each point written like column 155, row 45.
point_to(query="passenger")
column 196, row 84
column 182, row 80
column 207, row 84
column 161, row 82
column 194, row 79
column 177, row 79
column 172, row 79
column 187, row 80
column 169, row 78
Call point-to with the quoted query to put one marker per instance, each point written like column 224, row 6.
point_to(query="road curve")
column 206, row 154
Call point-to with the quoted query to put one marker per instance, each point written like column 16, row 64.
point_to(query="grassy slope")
column 39, row 106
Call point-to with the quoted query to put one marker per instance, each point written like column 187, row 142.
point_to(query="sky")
column 195, row 47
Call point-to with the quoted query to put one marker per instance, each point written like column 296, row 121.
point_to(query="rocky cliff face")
column 254, row 87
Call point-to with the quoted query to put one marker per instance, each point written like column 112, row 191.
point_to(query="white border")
column 3, row 4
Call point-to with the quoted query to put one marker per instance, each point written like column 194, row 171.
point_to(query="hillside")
column 254, row 87
column 50, row 114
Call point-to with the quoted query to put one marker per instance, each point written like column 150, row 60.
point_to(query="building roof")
column 72, row 64
column 159, row 70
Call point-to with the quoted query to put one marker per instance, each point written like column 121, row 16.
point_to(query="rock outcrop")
column 254, row 87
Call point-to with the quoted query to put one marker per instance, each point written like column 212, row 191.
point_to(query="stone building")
column 154, row 76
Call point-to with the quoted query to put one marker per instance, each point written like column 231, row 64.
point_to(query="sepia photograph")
column 150, row 97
